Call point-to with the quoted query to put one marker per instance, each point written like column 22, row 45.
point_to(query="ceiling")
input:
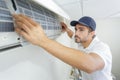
column 99, row 9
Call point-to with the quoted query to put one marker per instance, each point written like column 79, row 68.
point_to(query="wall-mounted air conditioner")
column 47, row 17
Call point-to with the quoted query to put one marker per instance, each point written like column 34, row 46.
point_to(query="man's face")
column 81, row 33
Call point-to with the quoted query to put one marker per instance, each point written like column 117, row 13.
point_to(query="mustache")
column 76, row 36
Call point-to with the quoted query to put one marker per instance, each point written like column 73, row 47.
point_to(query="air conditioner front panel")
column 7, row 35
column 49, row 20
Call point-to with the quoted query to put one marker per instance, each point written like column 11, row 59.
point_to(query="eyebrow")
column 80, row 28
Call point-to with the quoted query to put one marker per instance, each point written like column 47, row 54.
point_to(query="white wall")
column 108, row 30
column 33, row 63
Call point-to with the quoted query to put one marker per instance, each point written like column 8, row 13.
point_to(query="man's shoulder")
column 98, row 42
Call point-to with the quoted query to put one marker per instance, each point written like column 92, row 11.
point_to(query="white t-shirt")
column 104, row 52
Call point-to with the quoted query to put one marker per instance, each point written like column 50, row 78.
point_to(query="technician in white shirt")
column 93, row 57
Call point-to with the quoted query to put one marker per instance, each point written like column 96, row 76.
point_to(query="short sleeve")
column 104, row 52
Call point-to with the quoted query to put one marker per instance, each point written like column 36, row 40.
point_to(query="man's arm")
column 86, row 62
column 34, row 33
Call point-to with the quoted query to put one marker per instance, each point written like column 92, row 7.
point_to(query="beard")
column 79, row 40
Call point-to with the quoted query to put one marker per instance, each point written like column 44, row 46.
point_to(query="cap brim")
column 73, row 23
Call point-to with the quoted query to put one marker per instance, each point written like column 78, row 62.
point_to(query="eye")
column 81, row 29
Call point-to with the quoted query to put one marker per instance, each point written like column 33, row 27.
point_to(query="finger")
column 17, row 16
column 23, row 27
column 23, row 20
column 22, row 33
column 63, row 25
column 29, row 19
column 17, row 29
column 26, row 36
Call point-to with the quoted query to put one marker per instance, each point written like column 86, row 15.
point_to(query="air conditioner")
column 44, row 14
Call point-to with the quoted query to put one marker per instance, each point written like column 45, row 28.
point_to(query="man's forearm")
column 69, row 32
column 71, row 56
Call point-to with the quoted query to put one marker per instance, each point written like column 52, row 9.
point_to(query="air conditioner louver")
column 49, row 20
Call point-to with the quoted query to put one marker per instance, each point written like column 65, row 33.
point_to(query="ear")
column 92, row 33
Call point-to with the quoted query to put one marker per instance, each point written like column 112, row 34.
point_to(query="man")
column 93, row 57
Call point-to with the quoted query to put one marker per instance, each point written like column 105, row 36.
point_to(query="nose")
column 76, row 33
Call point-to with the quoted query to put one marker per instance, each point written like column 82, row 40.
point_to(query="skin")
column 34, row 33
column 83, row 35
column 66, row 29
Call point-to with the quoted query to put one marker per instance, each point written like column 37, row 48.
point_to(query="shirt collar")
column 95, row 39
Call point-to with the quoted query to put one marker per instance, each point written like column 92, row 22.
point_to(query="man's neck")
column 87, row 43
